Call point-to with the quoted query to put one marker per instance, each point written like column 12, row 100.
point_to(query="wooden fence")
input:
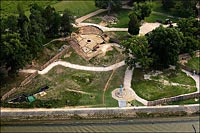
column 33, row 75
column 172, row 99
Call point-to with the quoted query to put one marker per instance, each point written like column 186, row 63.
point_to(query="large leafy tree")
column 66, row 22
column 168, row 4
column 165, row 44
column 142, row 10
column 134, row 24
column 137, row 51
column 53, row 21
column 9, row 24
column 13, row 54
column 190, row 28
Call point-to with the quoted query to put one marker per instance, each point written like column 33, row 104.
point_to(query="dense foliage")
column 165, row 44
column 140, row 11
column 158, row 49
column 22, row 37
column 138, row 48
column 181, row 8
column 190, row 28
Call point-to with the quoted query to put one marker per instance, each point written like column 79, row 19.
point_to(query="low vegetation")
column 69, row 87
column 153, row 90
column 194, row 64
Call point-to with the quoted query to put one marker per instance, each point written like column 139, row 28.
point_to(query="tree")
column 53, row 21
column 190, row 27
column 22, row 22
column 10, row 24
column 66, row 22
column 165, row 44
column 185, row 8
column 168, row 4
column 137, row 51
column 13, row 54
column 142, row 10
column 134, row 24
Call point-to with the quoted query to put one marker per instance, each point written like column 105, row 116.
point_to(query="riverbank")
column 8, row 114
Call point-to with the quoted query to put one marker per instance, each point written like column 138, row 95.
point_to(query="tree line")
column 22, row 37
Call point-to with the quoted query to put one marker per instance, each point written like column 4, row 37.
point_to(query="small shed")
column 31, row 99
column 122, row 103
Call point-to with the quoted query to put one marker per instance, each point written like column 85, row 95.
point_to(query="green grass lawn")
column 176, row 77
column 136, row 103
column 194, row 64
column 61, row 80
column 115, row 82
column 154, row 17
column 121, row 15
column 10, row 7
column 123, row 18
column 78, row 8
column 152, row 90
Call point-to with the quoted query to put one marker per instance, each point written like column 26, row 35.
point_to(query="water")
column 175, row 124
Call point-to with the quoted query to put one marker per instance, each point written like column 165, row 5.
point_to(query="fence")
column 33, row 75
column 55, row 58
column 172, row 99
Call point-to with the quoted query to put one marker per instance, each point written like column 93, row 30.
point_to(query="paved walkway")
column 81, row 19
column 79, row 67
column 105, row 29
column 195, row 77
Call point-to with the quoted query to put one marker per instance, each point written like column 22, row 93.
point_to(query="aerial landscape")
column 100, row 66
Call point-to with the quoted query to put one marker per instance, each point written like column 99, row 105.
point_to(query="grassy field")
column 8, row 83
column 123, row 18
column 48, row 52
column 118, row 35
column 78, row 8
column 152, row 90
column 155, row 17
column 121, row 15
column 116, row 81
column 194, row 63
column 10, row 7
column 176, row 77
column 67, row 84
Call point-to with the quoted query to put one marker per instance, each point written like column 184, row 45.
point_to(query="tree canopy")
column 137, row 51
column 165, row 44
column 23, row 37
column 140, row 11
